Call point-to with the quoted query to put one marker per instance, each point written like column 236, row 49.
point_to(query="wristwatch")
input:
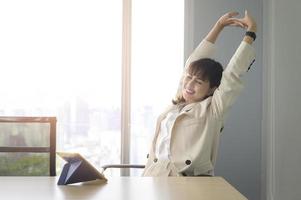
column 251, row 34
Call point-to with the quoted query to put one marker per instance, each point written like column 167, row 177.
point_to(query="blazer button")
column 188, row 162
column 156, row 159
column 147, row 155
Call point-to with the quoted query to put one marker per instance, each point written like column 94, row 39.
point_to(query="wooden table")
column 131, row 188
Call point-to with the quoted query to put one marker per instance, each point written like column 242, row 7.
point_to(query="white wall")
column 239, row 159
column 282, row 61
column 262, row 163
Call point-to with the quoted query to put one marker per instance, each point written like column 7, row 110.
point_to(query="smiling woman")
column 201, row 79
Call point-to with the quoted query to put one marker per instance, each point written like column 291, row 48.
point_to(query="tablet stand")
column 78, row 170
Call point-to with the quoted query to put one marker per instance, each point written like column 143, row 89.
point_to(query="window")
column 157, row 62
column 64, row 59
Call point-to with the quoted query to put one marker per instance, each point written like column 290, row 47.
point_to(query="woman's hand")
column 229, row 19
column 250, row 25
column 225, row 20
column 248, row 22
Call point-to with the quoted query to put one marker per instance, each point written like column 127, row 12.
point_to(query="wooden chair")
column 27, row 146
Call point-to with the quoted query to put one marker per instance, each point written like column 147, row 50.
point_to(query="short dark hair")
column 206, row 69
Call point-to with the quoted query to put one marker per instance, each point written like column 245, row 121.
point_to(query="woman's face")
column 195, row 89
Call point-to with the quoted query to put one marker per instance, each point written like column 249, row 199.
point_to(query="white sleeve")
column 205, row 49
column 231, row 83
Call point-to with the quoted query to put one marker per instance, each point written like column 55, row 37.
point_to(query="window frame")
column 126, row 71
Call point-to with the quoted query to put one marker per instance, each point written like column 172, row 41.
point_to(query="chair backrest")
column 27, row 146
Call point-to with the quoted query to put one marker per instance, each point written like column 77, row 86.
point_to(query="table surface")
column 131, row 188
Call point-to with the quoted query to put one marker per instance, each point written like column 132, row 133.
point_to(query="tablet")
column 77, row 169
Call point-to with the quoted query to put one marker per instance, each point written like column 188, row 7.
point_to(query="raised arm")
column 225, row 20
column 228, row 20
column 231, row 82
column 250, row 25
column 206, row 48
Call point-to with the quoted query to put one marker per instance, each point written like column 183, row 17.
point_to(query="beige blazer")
column 196, row 131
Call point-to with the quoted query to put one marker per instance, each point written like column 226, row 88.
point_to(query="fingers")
column 232, row 14
column 236, row 20
column 242, row 21
column 231, row 19
column 238, row 24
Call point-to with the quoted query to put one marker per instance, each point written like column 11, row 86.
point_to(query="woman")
column 187, row 133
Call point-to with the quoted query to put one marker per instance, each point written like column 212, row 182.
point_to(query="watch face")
column 251, row 34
